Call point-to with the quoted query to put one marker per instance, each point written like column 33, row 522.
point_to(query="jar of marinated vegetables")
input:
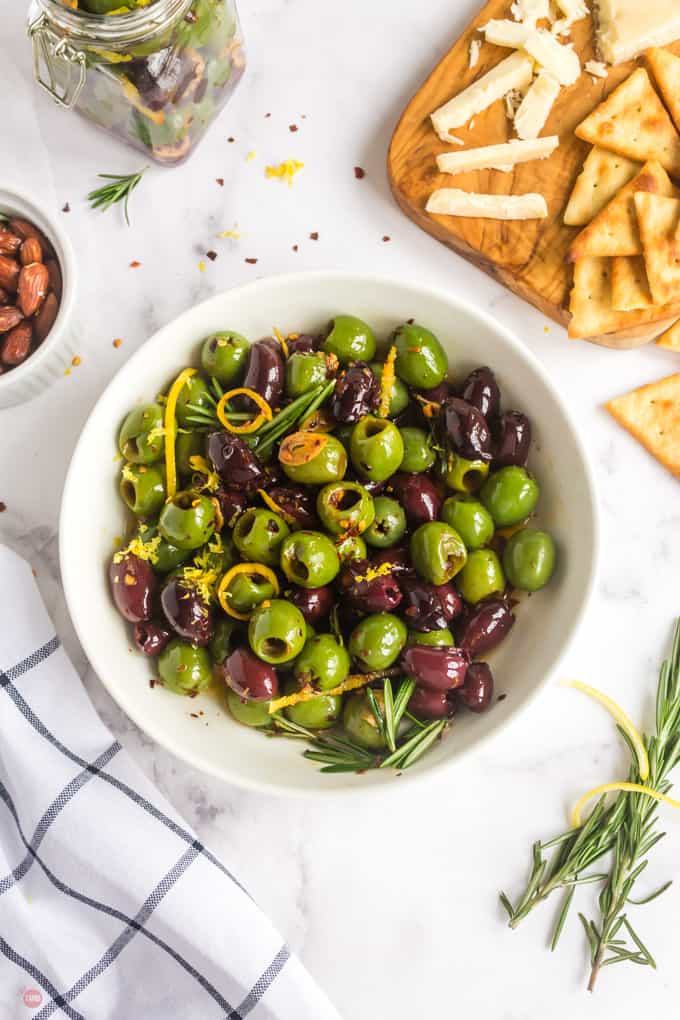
column 153, row 72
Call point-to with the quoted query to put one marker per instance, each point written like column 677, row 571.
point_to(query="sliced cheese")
column 573, row 10
column 497, row 157
column 515, row 72
column 560, row 61
column 512, row 34
column 596, row 68
column 453, row 202
column 535, row 108
column 475, row 47
column 530, row 11
column 627, row 27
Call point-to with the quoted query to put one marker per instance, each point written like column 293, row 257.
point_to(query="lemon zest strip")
column 282, row 340
column 274, row 506
column 170, row 425
column 387, row 382
column 266, row 413
column 351, row 683
column 243, row 568
column 621, row 718
column 625, row 788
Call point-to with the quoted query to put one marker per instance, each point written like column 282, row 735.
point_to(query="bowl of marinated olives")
column 339, row 529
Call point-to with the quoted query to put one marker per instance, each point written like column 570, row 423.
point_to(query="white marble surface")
column 392, row 905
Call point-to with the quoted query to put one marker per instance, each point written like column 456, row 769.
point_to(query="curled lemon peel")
column 243, row 568
column 621, row 718
column 170, row 426
column 282, row 341
column 387, row 382
column 597, row 791
column 351, row 683
column 266, row 413
column 274, row 506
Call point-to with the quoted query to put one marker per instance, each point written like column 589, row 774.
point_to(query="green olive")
column 309, row 559
column 169, row 556
column 184, row 668
column 462, row 475
column 195, row 391
column 187, row 520
column 247, row 591
column 304, row 371
column 421, row 360
column 319, row 713
column 510, row 495
column 399, row 398
column 249, row 713
column 437, row 551
column 323, row 663
column 141, row 439
column 345, row 507
column 188, row 444
column 313, row 458
column 376, row 641
column 376, row 448
column 224, row 357
column 361, row 726
column 349, row 339
column 276, row 632
column 222, row 639
column 350, row 547
column 258, row 534
column 437, row 638
column 471, row 520
column 142, row 487
column 481, row 576
column 418, row 452
column 389, row 525
column 529, row 559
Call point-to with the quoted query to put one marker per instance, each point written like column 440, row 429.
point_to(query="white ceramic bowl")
column 92, row 515
column 56, row 351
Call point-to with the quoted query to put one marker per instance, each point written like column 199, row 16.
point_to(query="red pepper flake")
column 66, row 207
column 194, row 715
column 135, row 264
column 3, row 507
column 231, row 139
column 501, row 697
column 212, row 255
column 153, row 680
column 117, row 342
column 359, row 172
column 267, row 115
column 314, row 236
column 304, row 116
column 251, row 262
column 296, row 247
column 386, row 237
column 220, row 180
column 292, row 127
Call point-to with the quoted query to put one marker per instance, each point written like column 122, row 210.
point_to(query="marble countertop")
column 395, row 912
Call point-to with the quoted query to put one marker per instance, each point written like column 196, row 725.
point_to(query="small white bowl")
column 54, row 354
column 200, row 730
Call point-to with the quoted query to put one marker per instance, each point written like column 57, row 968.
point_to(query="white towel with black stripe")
column 110, row 907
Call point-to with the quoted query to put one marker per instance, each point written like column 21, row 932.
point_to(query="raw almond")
column 16, row 346
column 55, row 276
column 9, row 273
column 44, row 320
column 30, row 251
column 33, row 283
column 9, row 243
column 9, row 317
column 22, row 228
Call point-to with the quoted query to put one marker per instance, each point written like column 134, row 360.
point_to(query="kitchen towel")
column 110, row 907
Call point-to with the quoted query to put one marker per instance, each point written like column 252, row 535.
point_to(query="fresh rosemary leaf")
column 562, row 917
column 390, row 724
column 652, row 896
column 377, row 713
column 119, row 189
column 507, row 904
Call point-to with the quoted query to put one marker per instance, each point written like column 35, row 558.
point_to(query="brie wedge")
column 535, row 108
column 627, row 27
column 453, row 202
column 497, row 157
column 515, row 72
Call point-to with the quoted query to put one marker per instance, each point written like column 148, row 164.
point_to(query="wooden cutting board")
column 528, row 257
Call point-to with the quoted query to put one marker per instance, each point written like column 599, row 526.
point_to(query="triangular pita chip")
column 632, row 120
column 603, row 174
column 658, row 219
column 630, row 288
column 665, row 67
column 652, row 415
column 614, row 231
column 591, row 303
column 671, row 338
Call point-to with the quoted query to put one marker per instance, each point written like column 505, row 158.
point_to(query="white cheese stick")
column 597, row 68
column 573, row 10
column 530, row 11
column 512, row 34
column 561, row 61
column 453, row 202
column 497, row 157
column 515, row 72
column 535, row 108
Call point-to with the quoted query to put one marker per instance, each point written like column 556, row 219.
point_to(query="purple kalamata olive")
column 133, row 584
column 398, row 558
column 151, row 638
column 451, row 602
column 163, row 77
column 419, row 497
column 356, row 394
column 250, row 677
column 273, row 475
column 436, row 668
column 186, row 612
column 304, row 344
column 437, row 394
column 485, row 626
column 373, row 488
column 232, row 503
column 296, row 503
column 428, row 704
column 477, row 691
column 314, row 603
column 481, row 390
column 264, row 375
column 234, row 461
column 428, row 607
column 367, row 589
column 513, row 439
column 466, row 429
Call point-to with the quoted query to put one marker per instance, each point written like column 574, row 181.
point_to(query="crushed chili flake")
column 267, row 115
column 212, row 255
column 296, row 247
column 386, row 237
column 194, row 715
column 220, row 181
column 314, row 236
column 117, row 342
column 501, row 697
column 66, row 207
column 231, row 139
column 251, row 262
column 75, row 361
column 359, row 172
column 292, row 127
column 3, row 507
column 153, row 680
column 135, row 264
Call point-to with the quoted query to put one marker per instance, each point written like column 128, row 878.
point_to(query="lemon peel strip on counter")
column 170, row 425
column 621, row 718
column 597, row 791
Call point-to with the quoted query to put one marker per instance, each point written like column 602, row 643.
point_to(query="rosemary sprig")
column 119, row 189
column 628, row 828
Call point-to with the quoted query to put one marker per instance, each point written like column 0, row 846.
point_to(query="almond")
column 9, row 243
column 9, row 273
column 22, row 228
column 16, row 346
column 55, row 276
column 44, row 320
column 4, row 297
column 9, row 317
column 30, row 251
column 33, row 283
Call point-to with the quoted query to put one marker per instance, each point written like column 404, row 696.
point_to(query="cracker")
column 671, row 338
column 652, row 415
column 614, row 231
column 603, row 174
column 658, row 219
column 591, row 303
column 630, row 287
column 633, row 122
column 665, row 67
